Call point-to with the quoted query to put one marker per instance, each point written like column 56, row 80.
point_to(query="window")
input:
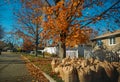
column 112, row 40
column 99, row 42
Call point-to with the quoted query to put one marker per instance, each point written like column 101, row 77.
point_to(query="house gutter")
column 105, row 36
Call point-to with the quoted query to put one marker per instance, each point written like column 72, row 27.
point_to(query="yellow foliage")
column 59, row 23
column 75, row 4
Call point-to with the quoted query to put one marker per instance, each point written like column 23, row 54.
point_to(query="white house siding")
column 72, row 53
column 81, row 50
column 51, row 50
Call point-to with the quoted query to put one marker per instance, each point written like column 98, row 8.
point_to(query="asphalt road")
column 13, row 69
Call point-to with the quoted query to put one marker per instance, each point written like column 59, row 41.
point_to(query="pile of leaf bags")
column 117, row 66
column 86, row 70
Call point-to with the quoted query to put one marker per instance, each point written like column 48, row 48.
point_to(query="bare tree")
column 1, row 36
column 1, row 32
column 28, row 27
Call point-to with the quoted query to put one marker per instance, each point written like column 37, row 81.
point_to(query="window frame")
column 112, row 41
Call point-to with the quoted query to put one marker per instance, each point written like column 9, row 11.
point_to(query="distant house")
column 51, row 50
column 80, row 50
column 77, row 51
column 109, row 40
column 48, row 49
column 85, row 49
column 107, row 46
column 72, row 52
column 39, row 51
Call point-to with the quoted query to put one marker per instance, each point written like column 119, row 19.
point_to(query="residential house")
column 108, row 46
column 51, row 50
column 109, row 40
column 72, row 52
column 79, row 50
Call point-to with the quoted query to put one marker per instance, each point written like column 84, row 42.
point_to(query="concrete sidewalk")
column 12, row 69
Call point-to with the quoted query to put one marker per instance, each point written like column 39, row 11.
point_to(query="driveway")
column 13, row 69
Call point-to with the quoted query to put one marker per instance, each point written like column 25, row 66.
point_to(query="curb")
column 46, row 75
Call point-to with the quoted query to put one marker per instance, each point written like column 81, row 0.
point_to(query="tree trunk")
column 36, row 49
column 62, row 50
column 62, row 46
column 43, row 55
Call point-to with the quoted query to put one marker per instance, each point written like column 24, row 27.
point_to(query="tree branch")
column 101, row 13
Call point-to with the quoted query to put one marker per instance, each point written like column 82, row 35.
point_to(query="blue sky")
column 6, row 13
column 105, row 23
column 8, row 20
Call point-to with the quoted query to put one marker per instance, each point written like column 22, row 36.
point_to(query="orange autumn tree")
column 28, row 44
column 62, row 25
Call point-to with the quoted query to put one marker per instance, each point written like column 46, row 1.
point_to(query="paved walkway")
column 12, row 69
